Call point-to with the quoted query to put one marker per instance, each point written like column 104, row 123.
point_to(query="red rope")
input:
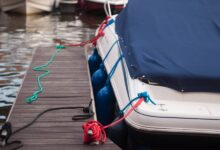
column 95, row 131
column 94, row 39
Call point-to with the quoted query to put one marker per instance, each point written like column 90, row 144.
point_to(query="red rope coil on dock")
column 94, row 131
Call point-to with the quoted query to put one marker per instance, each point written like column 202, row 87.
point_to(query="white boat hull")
column 27, row 6
column 175, row 112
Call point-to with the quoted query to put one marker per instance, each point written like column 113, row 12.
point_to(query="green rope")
column 45, row 72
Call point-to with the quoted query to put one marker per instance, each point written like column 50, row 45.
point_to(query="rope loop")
column 146, row 97
column 143, row 95
column 32, row 98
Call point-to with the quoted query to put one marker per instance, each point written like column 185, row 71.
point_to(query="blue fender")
column 94, row 61
column 99, row 78
column 105, row 104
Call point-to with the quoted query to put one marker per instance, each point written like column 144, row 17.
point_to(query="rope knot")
column 59, row 46
column 32, row 98
column 146, row 97
column 94, row 132
column 143, row 95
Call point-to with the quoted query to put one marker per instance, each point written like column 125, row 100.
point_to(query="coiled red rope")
column 94, row 131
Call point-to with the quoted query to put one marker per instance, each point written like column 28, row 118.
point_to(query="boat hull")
column 27, row 6
column 98, row 6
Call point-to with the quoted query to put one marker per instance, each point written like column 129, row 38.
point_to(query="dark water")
column 20, row 36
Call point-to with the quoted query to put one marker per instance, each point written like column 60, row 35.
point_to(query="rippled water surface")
column 20, row 36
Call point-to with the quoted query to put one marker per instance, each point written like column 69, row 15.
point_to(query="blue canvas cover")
column 175, row 43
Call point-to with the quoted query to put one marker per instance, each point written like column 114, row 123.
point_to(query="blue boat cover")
column 175, row 43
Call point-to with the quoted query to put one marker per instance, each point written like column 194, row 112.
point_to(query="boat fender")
column 105, row 104
column 94, row 61
column 99, row 78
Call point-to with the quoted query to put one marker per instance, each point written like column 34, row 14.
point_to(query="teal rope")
column 109, row 51
column 111, row 73
column 45, row 72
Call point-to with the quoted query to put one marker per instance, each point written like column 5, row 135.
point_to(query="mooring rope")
column 94, row 131
column 41, row 69
column 46, row 72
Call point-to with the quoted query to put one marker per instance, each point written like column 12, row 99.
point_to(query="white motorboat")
column 28, row 6
column 180, row 106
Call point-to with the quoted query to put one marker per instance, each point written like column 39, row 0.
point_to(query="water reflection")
column 20, row 36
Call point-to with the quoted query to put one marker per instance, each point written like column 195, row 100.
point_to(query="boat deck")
column 67, row 85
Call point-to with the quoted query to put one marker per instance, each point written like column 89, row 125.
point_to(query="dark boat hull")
column 96, row 7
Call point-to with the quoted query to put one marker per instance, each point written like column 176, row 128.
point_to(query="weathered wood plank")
column 31, row 115
column 69, row 83
column 56, row 95
column 61, row 70
column 55, row 101
column 59, row 87
column 69, row 147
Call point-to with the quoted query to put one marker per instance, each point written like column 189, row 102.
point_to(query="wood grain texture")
column 67, row 85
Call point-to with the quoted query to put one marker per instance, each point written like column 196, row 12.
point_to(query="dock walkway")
column 67, row 85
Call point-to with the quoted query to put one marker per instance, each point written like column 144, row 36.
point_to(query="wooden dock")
column 67, row 85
